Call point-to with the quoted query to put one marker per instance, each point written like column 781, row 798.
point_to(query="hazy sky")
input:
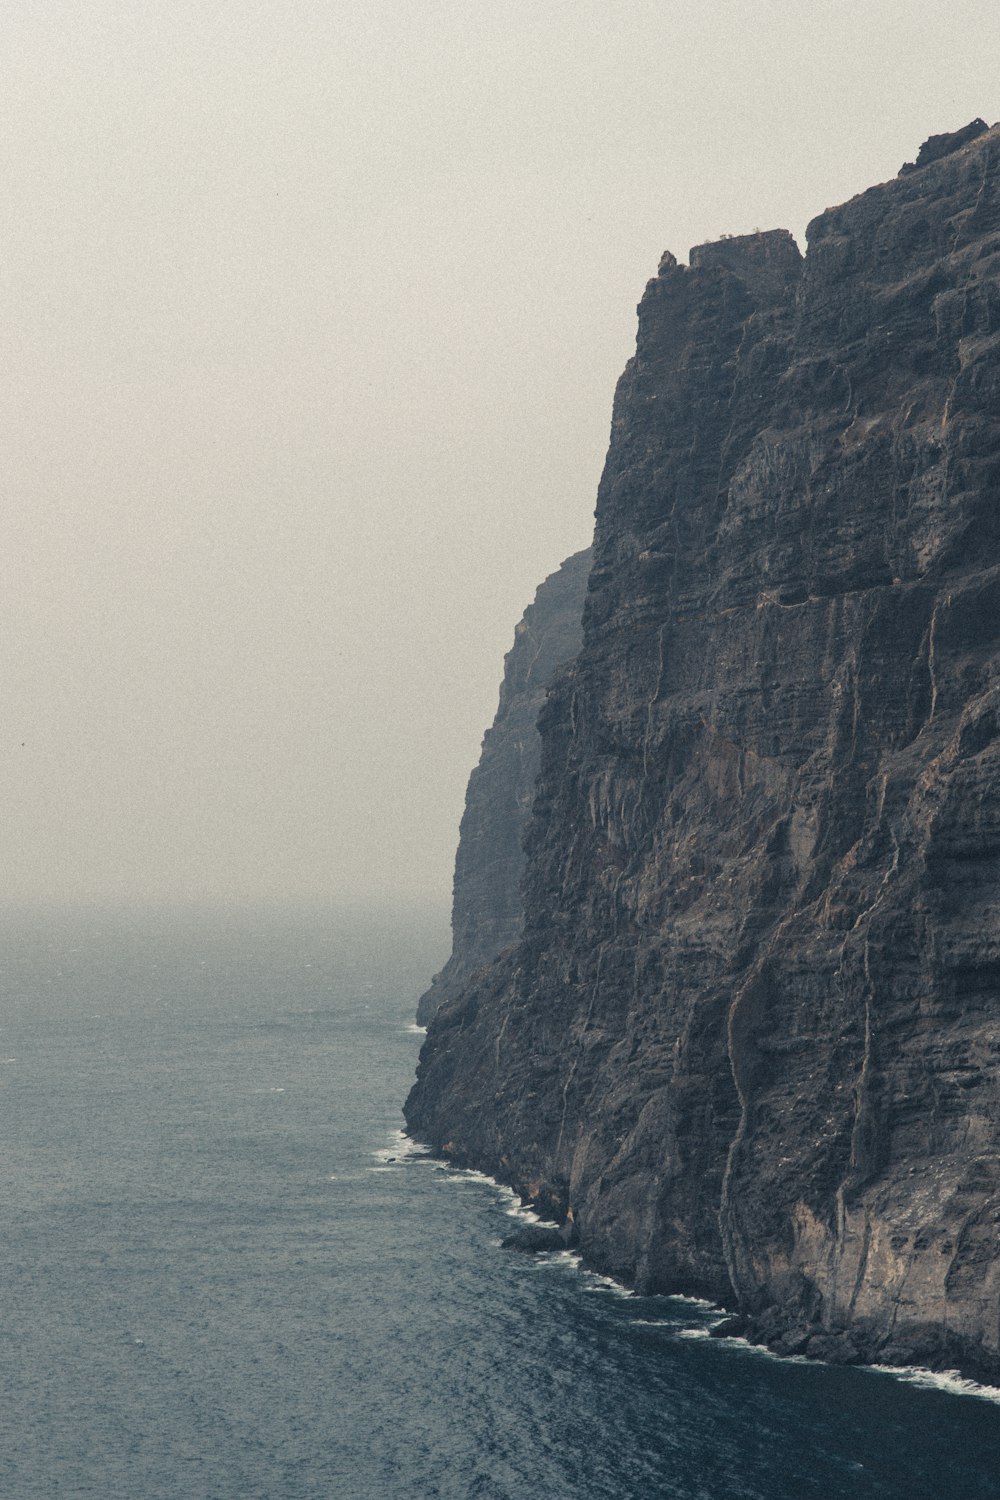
column 311, row 318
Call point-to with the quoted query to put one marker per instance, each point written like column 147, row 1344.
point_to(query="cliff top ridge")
column 937, row 146
column 775, row 251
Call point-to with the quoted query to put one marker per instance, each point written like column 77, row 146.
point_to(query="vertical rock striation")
column 487, row 907
column 750, row 1037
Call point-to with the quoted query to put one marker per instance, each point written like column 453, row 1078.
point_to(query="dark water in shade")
column 216, row 1286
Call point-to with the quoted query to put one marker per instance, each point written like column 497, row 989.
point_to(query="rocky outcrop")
column 487, row 906
column 937, row 146
column 750, row 1037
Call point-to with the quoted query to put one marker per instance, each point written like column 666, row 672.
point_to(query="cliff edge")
column 487, row 908
column 750, row 1036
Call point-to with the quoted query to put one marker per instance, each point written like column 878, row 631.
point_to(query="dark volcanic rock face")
column 487, row 906
column 751, row 1034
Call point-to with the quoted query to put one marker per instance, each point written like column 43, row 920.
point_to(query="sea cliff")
column 748, row 1041
column 487, row 910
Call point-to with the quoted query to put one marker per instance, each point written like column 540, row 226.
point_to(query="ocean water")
column 227, row 1276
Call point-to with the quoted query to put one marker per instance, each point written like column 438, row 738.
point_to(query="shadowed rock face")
column 751, row 1034
column 487, row 906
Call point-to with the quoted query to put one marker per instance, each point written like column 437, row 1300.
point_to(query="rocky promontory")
column 486, row 912
column 749, row 1038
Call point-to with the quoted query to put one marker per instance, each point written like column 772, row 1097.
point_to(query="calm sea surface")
column 225, row 1276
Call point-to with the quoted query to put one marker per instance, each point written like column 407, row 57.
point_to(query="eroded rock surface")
column 487, row 905
column 751, row 1034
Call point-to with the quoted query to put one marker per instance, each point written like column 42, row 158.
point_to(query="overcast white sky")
column 311, row 318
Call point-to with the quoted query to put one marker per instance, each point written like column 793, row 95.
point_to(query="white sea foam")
column 693, row 1333
column 736, row 1341
column 469, row 1174
column 519, row 1210
column 405, row 1149
column 415, row 1148
column 559, row 1258
column 526, row 1215
column 701, row 1302
column 412, row 1029
column 597, row 1281
column 940, row 1380
column 400, row 1149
